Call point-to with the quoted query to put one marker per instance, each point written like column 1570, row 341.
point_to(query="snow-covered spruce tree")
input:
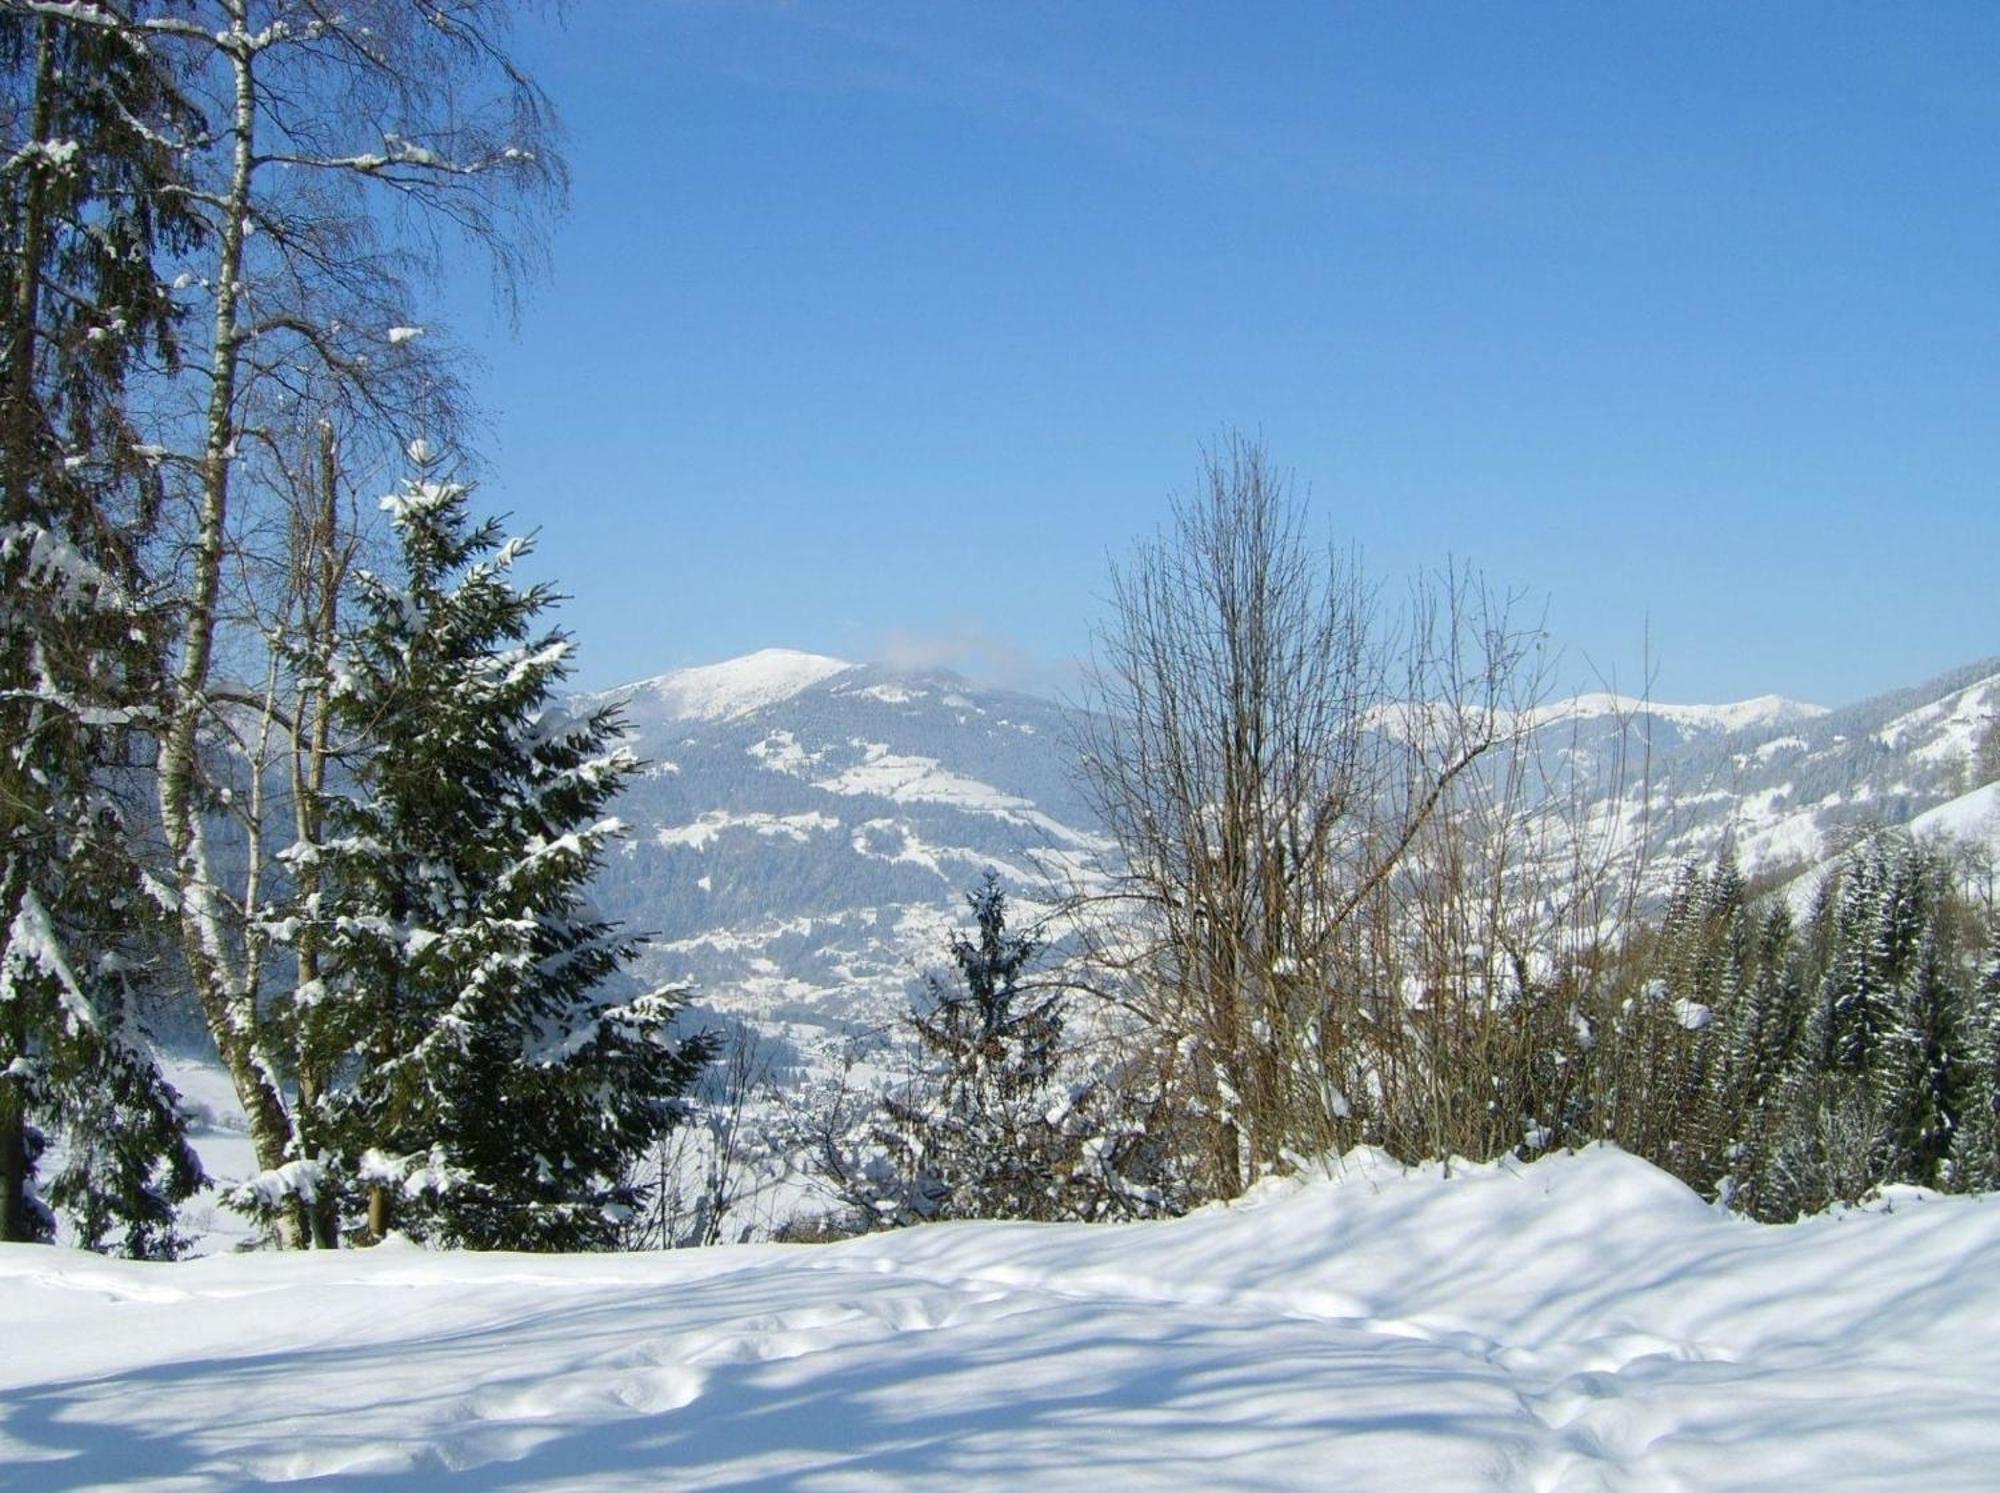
column 1663, row 1093
column 1830, row 1146
column 495, row 1078
column 1714, row 973
column 1923, row 1076
column 981, row 1134
column 83, row 216
column 1878, row 1076
column 1764, row 1037
column 1979, row 1146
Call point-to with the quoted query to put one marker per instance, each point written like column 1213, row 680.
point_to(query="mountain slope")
column 806, row 828
column 1786, row 794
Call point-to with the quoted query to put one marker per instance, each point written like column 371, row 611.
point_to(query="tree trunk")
column 15, row 1225
column 321, row 568
column 229, row 1009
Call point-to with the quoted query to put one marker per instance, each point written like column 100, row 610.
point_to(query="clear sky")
column 877, row 329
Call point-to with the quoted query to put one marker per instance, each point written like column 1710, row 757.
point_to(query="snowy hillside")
column 1740, row 715
column 1792, row 789
column 1970, row 822
column 806, row 829
column 1583, row 1322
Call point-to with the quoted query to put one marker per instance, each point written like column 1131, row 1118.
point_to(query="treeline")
column 1777, row 1064
column 1784, row 1064
column 266, row 753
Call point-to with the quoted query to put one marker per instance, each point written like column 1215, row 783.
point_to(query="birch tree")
column 339, row 155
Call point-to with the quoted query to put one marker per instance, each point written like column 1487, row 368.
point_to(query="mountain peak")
column 734, row 687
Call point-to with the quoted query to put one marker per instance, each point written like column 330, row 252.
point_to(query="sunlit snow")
column 1583, row 1322
column 736, row 687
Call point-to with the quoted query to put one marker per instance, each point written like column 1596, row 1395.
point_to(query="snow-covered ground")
column 1583, row 1322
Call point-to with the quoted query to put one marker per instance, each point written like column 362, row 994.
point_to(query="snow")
column 889, row 694
column 1740, row 715
column 1779, row 744
column 1760, row 713
column 1581, row 1322
column 33, row 945
column 1692, row 1015
column 906, row 778
column 221, row 1135
column 780, row 752
column 419, row 497
column 704, row 831
column 739, row 687
column 1970, row 819
column 1952, row 724
column 1973, row 816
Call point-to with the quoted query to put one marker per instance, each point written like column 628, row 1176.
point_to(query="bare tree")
column 703, row 1173
column 1267, row 744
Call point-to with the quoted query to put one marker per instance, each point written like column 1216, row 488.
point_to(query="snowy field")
column 1584, row 1322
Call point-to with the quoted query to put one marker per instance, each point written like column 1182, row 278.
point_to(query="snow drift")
column 1582, row 1322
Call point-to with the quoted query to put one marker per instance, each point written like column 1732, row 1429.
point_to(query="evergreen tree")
column 1880, row 1076
column 1875, row 917
column 1766, row 1033
column 495, row 1076
column 1681, row 1022
column 1923, row 1077
column 1893, row 1005
column 981, row 1136
column 1979, row 1148
column 88, row 117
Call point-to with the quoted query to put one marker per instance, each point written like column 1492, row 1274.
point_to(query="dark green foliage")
column 88, row 118
column 1854, row 1048
column 87, row 214
column 495, row 1075
column 1978, row 1148
column 126, row 1160
column 1921, row 1079
column 981, row 1133
column 1886, row 1007
column 1764, row 1037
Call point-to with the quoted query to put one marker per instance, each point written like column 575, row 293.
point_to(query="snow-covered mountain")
column 1789, row 785
column 1689, row 721
column 806, row 827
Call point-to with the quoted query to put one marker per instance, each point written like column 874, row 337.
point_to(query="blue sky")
column 882, row 328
